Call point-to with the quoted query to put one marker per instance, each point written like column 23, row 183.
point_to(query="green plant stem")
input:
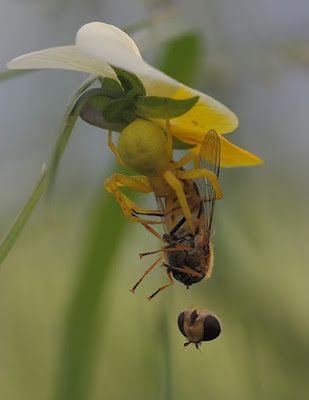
column 72, row 112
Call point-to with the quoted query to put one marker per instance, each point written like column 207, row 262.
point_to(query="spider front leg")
column 184, row 160
column 139, row 184
column 177, row 185
column 202, row 173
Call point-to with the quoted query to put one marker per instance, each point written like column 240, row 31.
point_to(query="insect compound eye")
column 181, row 322
column 212, row 328
column 198, row 325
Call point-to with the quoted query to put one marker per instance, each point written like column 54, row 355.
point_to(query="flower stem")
column 74, row 107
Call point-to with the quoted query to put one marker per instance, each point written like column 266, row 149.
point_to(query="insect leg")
column 162, row 287
column 186, row 270
column 137, row 211
column 151, row 230
column 166, row 250
column 148, row 270
column 156, row 213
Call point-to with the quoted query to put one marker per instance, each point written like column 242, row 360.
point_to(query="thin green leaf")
column 182, row 58
column 12, row 234
column 78, row 360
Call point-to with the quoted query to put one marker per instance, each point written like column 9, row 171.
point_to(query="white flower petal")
column 63, row 57
column 99, row 44
column 108, row 40
column 112, row 45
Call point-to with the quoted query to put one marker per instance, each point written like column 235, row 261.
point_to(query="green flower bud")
column 142, row 146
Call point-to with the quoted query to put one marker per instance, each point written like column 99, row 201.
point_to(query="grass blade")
column 81, row 330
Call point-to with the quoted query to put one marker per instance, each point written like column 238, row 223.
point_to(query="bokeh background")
column 69, row 327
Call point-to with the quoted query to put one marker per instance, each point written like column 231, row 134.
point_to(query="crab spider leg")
column 168, row 133
column 130, row 182
column 112, row 185
column 134, row 208
column 200, row 173
column 196, row 161
column 142, row 179
column 183, row 161
column 114, row 149
column 177, row 185
column 141, row 211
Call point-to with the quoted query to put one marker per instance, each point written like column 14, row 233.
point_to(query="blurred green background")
column 69, row 327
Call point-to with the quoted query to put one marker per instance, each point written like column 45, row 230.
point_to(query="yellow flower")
column 99, row 46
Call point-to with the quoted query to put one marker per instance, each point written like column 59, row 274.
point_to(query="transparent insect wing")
column 162, row 208
column 209, row 158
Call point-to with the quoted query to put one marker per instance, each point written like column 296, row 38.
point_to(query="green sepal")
column 109, row 83
column 180, row 145
column 94, row 116
column 92, row 111
column 110, row 91
column 162, row 107
column 130, row 83
column 119, row 111
column 99, row 102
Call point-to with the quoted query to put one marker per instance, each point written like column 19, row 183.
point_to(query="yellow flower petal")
column 207, row 114
column 233, row 156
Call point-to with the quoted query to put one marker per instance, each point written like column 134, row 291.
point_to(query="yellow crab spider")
column 144, row 147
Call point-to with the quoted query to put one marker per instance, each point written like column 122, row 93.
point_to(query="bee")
column 188, row 257
column 198, row 325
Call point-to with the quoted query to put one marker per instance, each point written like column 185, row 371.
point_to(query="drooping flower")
column 99, row 48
